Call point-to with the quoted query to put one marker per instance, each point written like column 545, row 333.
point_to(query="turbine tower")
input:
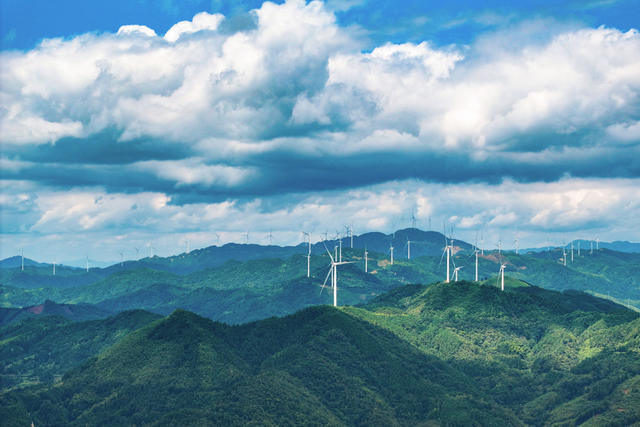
column 455, row 273
column 501, row 273
column 22, row 259
column 86, row 264
column 447, row 250
column 366, row 260
column 308, row 236
column 333, row 271
column 391, row 251
column 54, row 267
column 572, row 251
column 476, row 251
column 408, row 249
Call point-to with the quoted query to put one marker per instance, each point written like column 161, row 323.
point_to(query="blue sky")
column 148, row 123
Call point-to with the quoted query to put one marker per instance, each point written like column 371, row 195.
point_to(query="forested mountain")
column 458, row 353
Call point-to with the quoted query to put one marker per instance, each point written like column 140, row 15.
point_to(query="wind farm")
column 327, row 212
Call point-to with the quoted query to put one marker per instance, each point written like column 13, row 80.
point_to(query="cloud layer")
column 271, row 110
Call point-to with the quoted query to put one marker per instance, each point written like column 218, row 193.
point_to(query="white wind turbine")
column 455, row 273
column 54, row 266
column 333, row 271
column 86, row 263
column 447, row 250
column 501, row 275
column 572, row 251
column 475, row 251
column 349, row 230
column 366, row 260
column 308, row 238
column 391, row 251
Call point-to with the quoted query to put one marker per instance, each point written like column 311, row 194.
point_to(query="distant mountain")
column 75, row 312
column 16, row 262
column 591, row 245
column 620, row 246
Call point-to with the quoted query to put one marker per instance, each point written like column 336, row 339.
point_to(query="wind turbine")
column 578, row 247
column 501, row 274
column 247, row 237
column 86, row 263
column 408, row 249
column 591, row 246
column 121, row 258
column 455, row 273
column 447, row 250
column 137, row 253
column 366, row 260
column 217, row 238
column 271, row 238
column 499, row 245
column 349, row 231
column 476, row 251
column 22, row 256
column 391, row 251
column 333, row 271
column 54, row 266
column 597, row 244
column 308, row 236
column 572, row 251
column 188, row 245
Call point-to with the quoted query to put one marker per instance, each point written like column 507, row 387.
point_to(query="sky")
column 138, row 126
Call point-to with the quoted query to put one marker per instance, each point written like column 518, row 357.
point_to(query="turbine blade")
column 325, row 279
column 328, row 253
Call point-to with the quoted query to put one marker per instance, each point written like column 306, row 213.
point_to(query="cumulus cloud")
column 266, row 111
column 570, row 208
column 296, row 84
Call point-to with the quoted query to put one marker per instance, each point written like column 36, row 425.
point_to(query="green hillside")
column 445, row 354
column 41, row 349
column 238, row 292
column 319, row 366
column 547, row 356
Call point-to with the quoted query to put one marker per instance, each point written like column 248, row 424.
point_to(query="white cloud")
column 201, row 21
column 194, row 171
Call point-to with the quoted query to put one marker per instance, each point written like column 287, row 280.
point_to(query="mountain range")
column 445, row 354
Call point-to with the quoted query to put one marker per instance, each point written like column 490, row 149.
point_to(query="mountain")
column 445, row 354
column 41, row 349
column 16, row 262
column 551, row 358
column 319, row 366
column 75, row 312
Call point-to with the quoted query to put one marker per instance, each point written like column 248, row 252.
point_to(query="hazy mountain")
column 75, row 312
